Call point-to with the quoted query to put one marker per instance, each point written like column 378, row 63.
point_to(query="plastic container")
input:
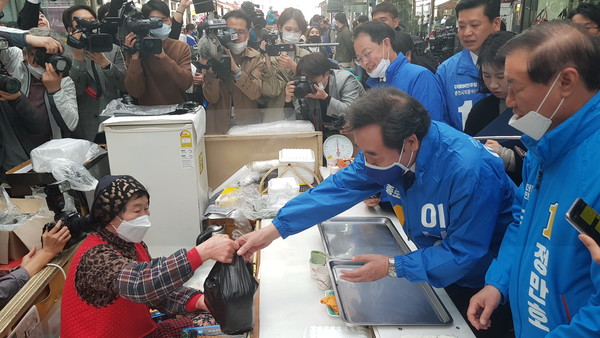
column 304, row 157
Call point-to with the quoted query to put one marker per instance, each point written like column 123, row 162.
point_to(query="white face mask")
column 238, row 48
column 161, row 32
column 134, row 230
column 533, row 123
column 36, row 72
column 379, row 71
column 290, row 37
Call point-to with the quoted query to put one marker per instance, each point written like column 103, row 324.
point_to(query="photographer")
column 22, row 127
column 113, row 281
column 334, row 91
column 257, row 23
column 158, row 79
column 242, row 86
column 98, row 77
column 52, row 93
column 53, row 241
column 282, row 69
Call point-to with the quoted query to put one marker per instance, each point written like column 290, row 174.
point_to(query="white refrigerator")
column 167, row 155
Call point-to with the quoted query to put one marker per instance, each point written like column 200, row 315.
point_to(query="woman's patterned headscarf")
column 111, row 195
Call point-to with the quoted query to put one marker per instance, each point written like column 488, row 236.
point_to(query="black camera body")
column 132, row 21
column 61, row 64
column 55, row 198
column 212, row 45
column 8, row 83
column 303, row 87
column 204, row 6
column 275, row 49
column 218, row 28
column 92, row 38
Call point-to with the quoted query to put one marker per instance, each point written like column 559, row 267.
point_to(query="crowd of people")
column 486, row 216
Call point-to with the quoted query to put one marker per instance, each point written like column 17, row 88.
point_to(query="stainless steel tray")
column 344, row 237
column 388, row 301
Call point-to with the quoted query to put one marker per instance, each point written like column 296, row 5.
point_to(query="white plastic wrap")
column 78, row 151
column 242, row 224
column 277, row 127
column 64, row 158
column 10, row 216
column 263, row 166
column 77, row 175
column 117, row 108
column 281, row 190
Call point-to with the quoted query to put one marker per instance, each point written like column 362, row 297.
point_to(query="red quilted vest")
column 123, row 318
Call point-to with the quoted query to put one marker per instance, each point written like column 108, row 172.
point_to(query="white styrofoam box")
column 305, row 157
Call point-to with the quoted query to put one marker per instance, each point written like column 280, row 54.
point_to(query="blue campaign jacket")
column 417, row 82
column 542, row 266
column 459, row 79
column 456, row 211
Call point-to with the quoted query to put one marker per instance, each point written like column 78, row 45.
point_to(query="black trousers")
column 502, row 323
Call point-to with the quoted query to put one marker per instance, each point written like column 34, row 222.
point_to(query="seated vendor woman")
column 112, row 282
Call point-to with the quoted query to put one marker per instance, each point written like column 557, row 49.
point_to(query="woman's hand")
column 289, row 91
column 219, row 247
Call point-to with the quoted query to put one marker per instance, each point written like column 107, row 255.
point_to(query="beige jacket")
column 275, row 80
column 222, row 94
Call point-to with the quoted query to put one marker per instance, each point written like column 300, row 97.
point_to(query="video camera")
column 122, row 19
column 57, row 202
column 61, row 64
column 8, row 83
column 212, row 45
column 132, row 20
column 275, row 49
column 303, row 87
column 92, row 37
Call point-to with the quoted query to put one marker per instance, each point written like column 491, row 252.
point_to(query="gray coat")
column 344, row 89
column 112, row 84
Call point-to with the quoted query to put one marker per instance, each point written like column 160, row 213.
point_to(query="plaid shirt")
column 157, row 283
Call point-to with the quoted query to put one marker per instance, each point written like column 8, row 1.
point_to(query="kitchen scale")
column 337, row 146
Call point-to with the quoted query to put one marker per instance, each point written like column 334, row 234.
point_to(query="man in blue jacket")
column 373, row 43
column 542, row 268
column 458, row 76
column 452, row 194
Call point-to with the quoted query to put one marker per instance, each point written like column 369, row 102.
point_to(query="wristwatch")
column 392, row 267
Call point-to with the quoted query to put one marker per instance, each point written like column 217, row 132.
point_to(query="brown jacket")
column 242, row 94
column 156, row 79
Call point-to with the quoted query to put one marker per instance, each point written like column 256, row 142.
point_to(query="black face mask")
column 314, row 39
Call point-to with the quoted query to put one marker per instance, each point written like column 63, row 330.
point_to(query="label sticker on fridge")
column 185, row 139
column 187, row 158
column 186, row 152
column 201, row 163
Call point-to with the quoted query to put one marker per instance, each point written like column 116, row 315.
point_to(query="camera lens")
column 9, row 84
column 302, row 88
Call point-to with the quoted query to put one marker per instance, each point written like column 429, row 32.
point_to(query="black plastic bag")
column 229, row 295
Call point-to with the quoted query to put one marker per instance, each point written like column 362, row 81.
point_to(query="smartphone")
column 585, row 219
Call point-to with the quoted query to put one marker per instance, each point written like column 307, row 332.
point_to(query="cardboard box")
column 16, row 243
